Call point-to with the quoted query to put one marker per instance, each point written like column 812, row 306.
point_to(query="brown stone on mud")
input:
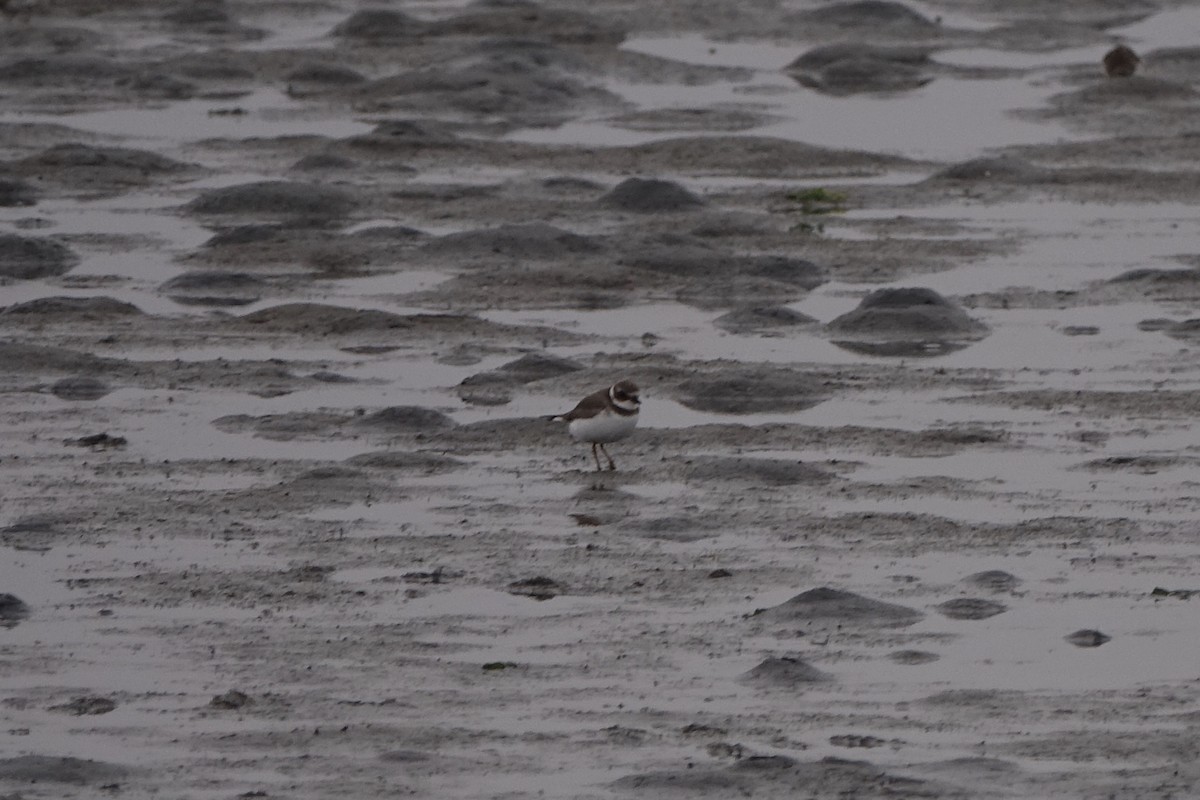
column 1120, row 62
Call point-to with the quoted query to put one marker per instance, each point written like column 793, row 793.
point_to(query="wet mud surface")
column 290, row 291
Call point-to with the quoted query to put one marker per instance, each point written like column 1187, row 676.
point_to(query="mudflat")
column 290, row 291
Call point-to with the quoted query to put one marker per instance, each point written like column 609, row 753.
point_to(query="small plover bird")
column 604, row 416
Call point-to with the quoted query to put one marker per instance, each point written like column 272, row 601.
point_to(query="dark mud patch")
column 25, row 258
column 757, row 471
column 91, row 169
column 393, row 421
column 318, row 320
column 90, row 705
column 1145, row 464
column 678, row 528
column 780, row 776
column 740, row 156
column 1158, row 402
column 12, row 610
column 752, row 391
column 80, row 388
column 527, row 241
column 310, row 245
column 514, row 85
column 274, row 199
column 32, row 769
column 407, row 462
column 910, row 658
column 970, row 608
column 1124, row 105
column 15, row 193
column 70, row 309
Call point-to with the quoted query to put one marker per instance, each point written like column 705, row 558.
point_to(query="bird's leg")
column 611, row 464
column 598, row 467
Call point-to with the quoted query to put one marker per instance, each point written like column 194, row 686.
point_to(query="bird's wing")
column 589, row 406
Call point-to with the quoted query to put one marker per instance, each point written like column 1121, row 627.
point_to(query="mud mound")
column 871, row 17
column 316, row 74
column 378, row 25
column 84, row 165
column 995, row 169
column 1086, row 637
column 690, row 257
column 650, row 196
column 780, row 776
column 212, row 288
column 486, row 389
column 12, row 609
column 415, row 462
column 972, row 608
column 1173, row 285
column 59, row 71
column 783, row 673
column 757, row 319
column 287, row 426
column 758, row 471
column 19, row 358
column 753, row 391
column 535, row 241
column 27, row 258
column 538, row 366
column 321, row 162
column 905, row 322
column 489, row 84
column 405, row 419
column 316, row 318
column 993, row 580
column 80, row 388
column 276, row 199
column 15, row 192
column 1135, row 90
column 851, row 68
column 534, row 21
column 90, row 308
column 495, row 387
column 404, row 137
column 825, row 607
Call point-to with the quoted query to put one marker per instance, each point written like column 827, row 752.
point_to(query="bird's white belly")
column 603, row 428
